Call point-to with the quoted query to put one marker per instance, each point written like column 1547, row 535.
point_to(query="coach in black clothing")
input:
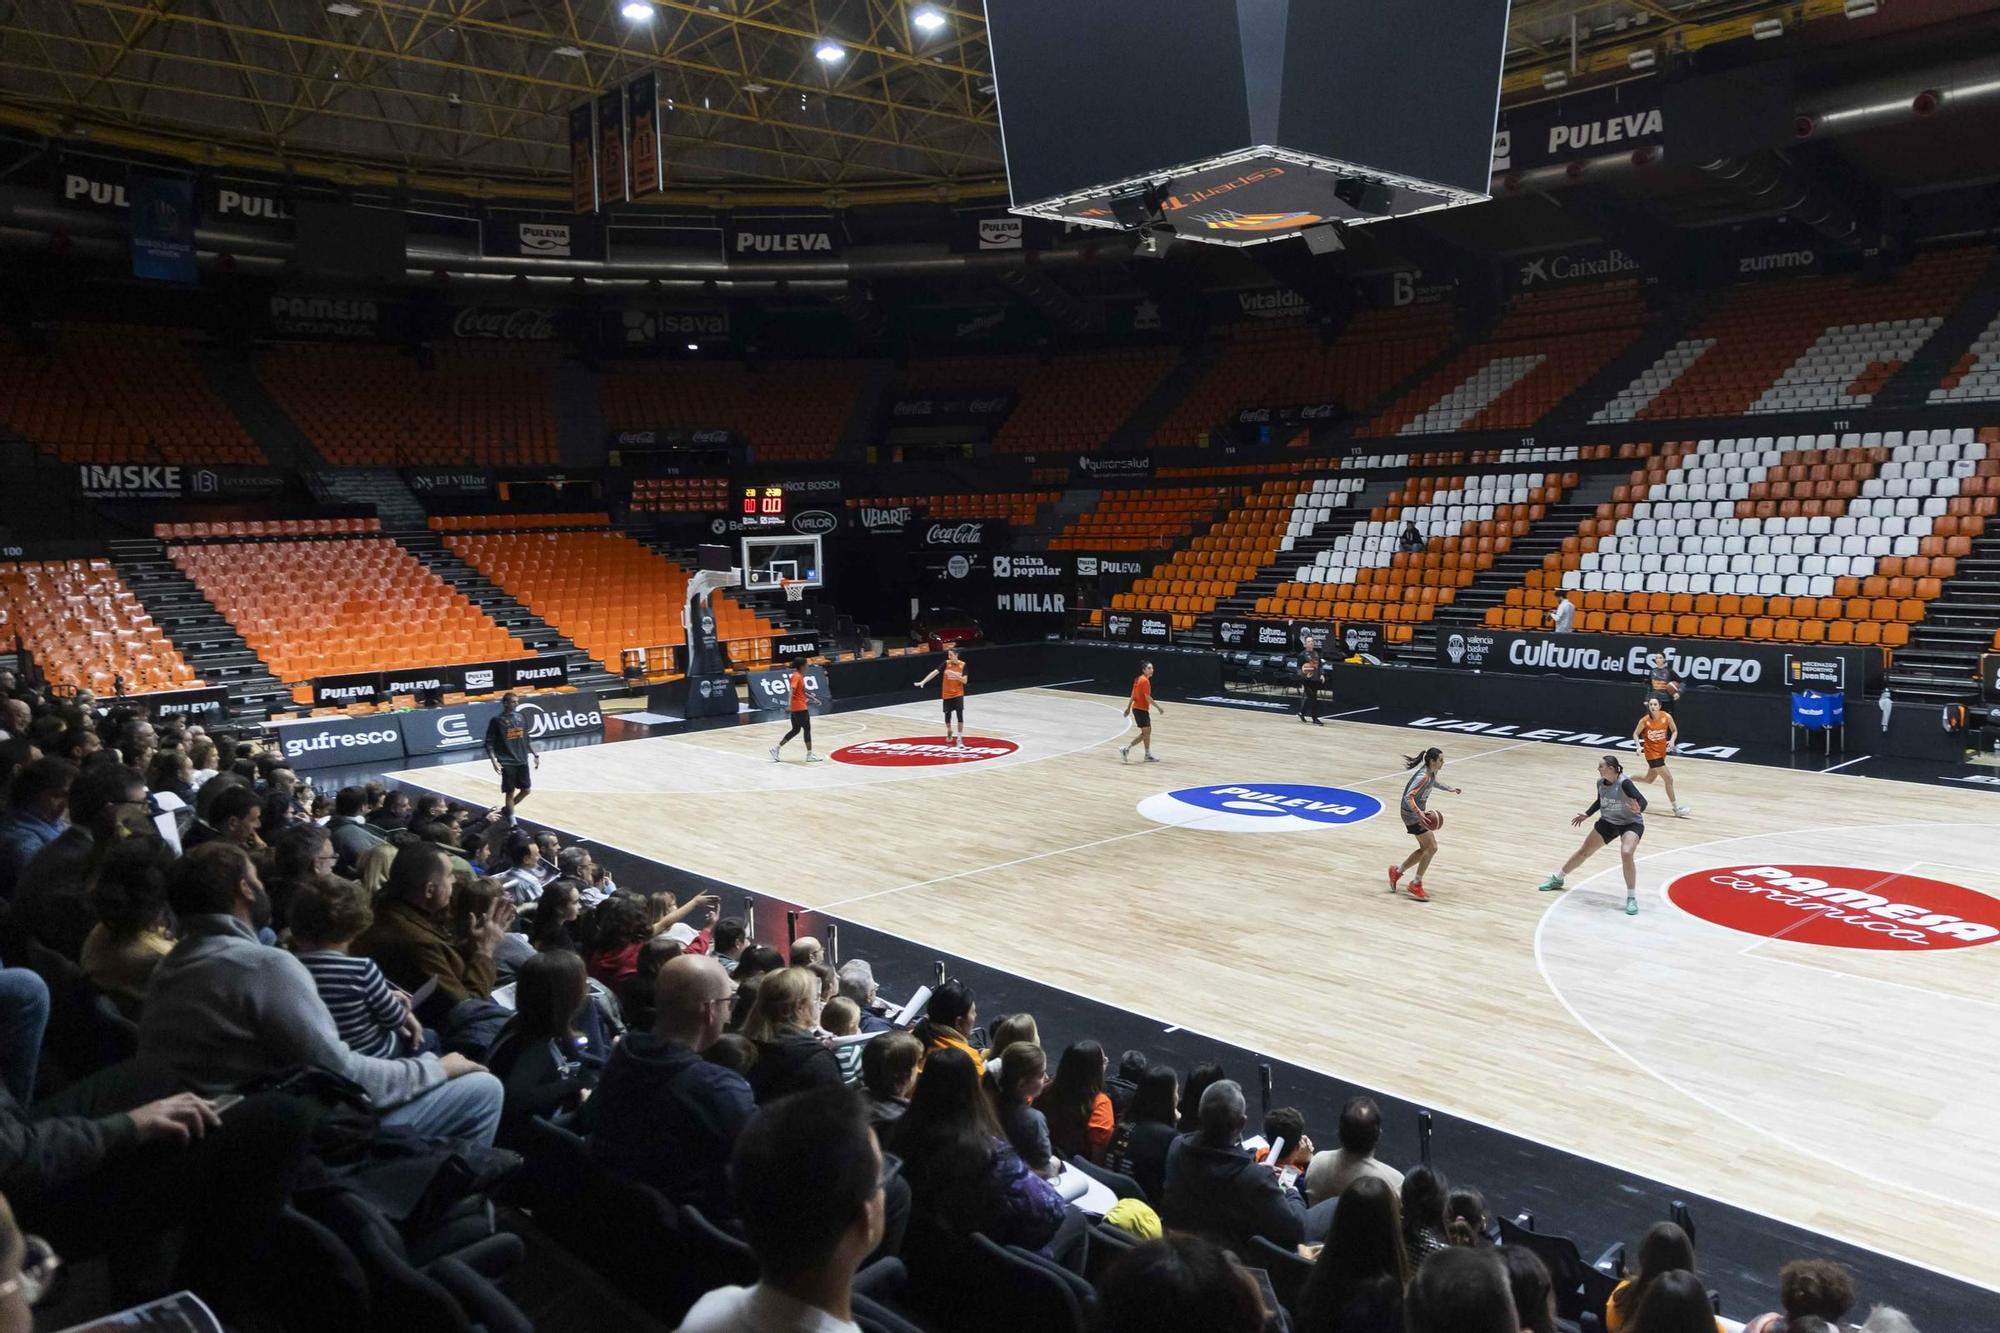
column 1311, row 670
column 508, row 746
column 1216, row 1188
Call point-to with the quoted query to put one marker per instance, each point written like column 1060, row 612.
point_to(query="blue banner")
column 162, row 227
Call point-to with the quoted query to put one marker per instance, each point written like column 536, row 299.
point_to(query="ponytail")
column 1411, row 761
column 1612, row 760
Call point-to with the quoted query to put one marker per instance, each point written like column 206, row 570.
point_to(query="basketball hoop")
column 794, row 590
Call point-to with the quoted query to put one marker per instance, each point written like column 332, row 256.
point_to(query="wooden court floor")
column 1722, row 1041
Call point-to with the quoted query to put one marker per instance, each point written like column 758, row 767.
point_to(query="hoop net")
column 794, row 590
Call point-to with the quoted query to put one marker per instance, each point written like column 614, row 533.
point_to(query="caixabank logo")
column 1268, row 807
column 923, row 751
column 1843, row 907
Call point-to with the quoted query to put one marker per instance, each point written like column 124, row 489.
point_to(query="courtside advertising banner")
column 336, row 742
column 1733, row 665
column 463, row 727
column 645, row 151
column 771, row 691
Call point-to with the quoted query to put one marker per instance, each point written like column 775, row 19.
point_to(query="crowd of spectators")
column 218, row 982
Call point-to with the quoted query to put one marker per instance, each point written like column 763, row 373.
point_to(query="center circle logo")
column 1844, row 907
column 1270, row 807
column 922, row 751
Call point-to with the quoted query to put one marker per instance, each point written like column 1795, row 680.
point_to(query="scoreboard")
column 764, row 502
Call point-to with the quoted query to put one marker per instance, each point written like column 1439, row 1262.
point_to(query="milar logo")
column 1030, row 603
column 1562, row 736
column 1844, row 907
column 1271, row 807
column 924, row 751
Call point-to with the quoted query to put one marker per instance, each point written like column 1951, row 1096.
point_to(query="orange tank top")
column 1653, row 740
column 954, row 680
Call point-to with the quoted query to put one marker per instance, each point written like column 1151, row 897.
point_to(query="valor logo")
column 924, row 751
column 1843, row 907
column 1281, row 807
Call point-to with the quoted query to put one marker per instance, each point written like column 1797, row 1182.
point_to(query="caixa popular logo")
column 924, row 751
column 1269, row 807
column 1843, row 907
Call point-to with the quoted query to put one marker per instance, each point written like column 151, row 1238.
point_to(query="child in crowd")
column 842, row 1018
column 374, row 1017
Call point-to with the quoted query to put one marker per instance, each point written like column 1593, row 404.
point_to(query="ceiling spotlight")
column 694, row 347
column 1765, row 29
column 1555, row 78
column 346, row 11
column 756, row 87
column 452, row 99
column 571, row 51
column 638, row 11
column 986, row 88
column 926, row 19
column 830, row 53
column 1643, row 58
column 1861, row 9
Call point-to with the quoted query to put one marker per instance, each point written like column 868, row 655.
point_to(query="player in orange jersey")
column 1140, row 708
column 953, row 672
column 1656, row 734
column 801, row 702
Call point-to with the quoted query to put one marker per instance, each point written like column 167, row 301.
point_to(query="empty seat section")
column 85, row 629
column 1540, row 352
column 326, row 608
column 607, row 592
column 118, row 393
column 1975, row 377
column 787, row 410
column 1063, row 401
column 485, row 401
column 680, row 495
column 1141, row 520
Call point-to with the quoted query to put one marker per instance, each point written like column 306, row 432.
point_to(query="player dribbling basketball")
column 1621, row 818
column 953, row 693
column 1140, row 709
column 1657, row 733
column 1421, row 821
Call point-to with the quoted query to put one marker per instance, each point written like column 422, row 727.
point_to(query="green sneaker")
column 1631, row 907
column 1550, row 885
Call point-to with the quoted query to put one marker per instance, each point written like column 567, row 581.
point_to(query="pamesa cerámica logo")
column 1267, row 807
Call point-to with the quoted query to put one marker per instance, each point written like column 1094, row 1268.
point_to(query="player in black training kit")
column 508, row 746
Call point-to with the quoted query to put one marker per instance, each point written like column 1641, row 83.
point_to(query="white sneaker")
column 812, row 758
column 1682, row 812
column 1152, row 758
column 774, row 754
column 1123, row 751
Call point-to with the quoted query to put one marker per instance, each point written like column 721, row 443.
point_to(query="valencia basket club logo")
column 924, row 751
column 1842, row 907
column 1265, row 807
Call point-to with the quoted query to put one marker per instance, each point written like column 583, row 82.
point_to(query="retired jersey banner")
column 613, row 187
column 646, row 150
column 582, row 159
column 162, row 218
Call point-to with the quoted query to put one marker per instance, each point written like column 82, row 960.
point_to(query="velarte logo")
column 1270, row 807
column 1843, row 907
column 924, row 751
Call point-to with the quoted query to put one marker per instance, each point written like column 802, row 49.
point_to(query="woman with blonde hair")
column 790, row 1056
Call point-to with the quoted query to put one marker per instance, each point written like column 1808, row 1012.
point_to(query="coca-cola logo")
column 960, row 534
column 515, row 324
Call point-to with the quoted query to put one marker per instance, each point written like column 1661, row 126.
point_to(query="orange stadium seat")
column 118, row 393
column 787, row 410
column 85, row 628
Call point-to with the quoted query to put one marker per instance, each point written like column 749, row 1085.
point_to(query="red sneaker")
column 1416, row 890
column 1395, row 877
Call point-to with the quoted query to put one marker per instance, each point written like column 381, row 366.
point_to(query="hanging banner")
column 647, row 149
column 756, row 237
column 86, row 182
column 515, row 236
column 583, row 158
column 162, row 217
column 1582, row 263
column 330, row 318
column 238, row 203
column 613, row 186
column 1585, row 124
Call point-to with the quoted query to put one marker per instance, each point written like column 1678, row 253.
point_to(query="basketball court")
column 1800, row 1021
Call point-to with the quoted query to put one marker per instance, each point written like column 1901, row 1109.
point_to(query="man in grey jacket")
column 224, row 1009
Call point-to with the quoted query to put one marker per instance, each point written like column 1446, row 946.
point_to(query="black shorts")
column 1141, row 718
column 1611, row 833
column 514, row 777
column 954, row 708
column 1417, row 830
column 1661, row 762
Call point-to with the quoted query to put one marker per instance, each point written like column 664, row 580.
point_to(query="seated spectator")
column 412, row 940
column 282, row 810
column 551, row 847
column 234, row 814
column 1010, row 1029
column 731, row 1050
column 728, row 941
column 1424, row 1193
column 635, row 995
column 1197, row 1083
column 37, row 813
column 1665, row 1249
column 225, row 1009
column 1214, row 1187
column 16, row 755
column 806, row 951
column 1120, row 1086
column 24, row 1019
column 963, row 1174
column 541, row 1058
column 857, row 983
column 1887, row 1319
column 1287, row 1124
column 620, row 925
column 1333, row 1170
column 394, row 813
column 889, row 1066
column 441, row 837
column 479, row 901
column 1465, row 1220
column 1677, row 1302
column 1178, row 1284
column 841, row 1017
column 138, row 742
column 1460, row 1291
column 949, row 1019
column 663, row 1115
column 1534, row 1291
column 523, row 859
column 575, row 865
column 1357, row 1282
column 807, row 1180
column 202, row 752
column 1024, row 1072
column 556, row 913
column 790, row 1055
column 752, row 965
column 15, row 717
column 1412, row 538
column 1078, row 1110
column 1139, row 1145
column 52, row 900
column 373, row 1017
column 348, row 827
column 299, row 855
column 687, row 921
column 172, row 772
column 130, row 937
column 1808, row 1287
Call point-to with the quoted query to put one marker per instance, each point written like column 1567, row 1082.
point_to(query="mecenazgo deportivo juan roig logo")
column 1262, row 807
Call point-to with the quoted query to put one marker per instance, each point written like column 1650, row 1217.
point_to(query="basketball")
column 1434, row 819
